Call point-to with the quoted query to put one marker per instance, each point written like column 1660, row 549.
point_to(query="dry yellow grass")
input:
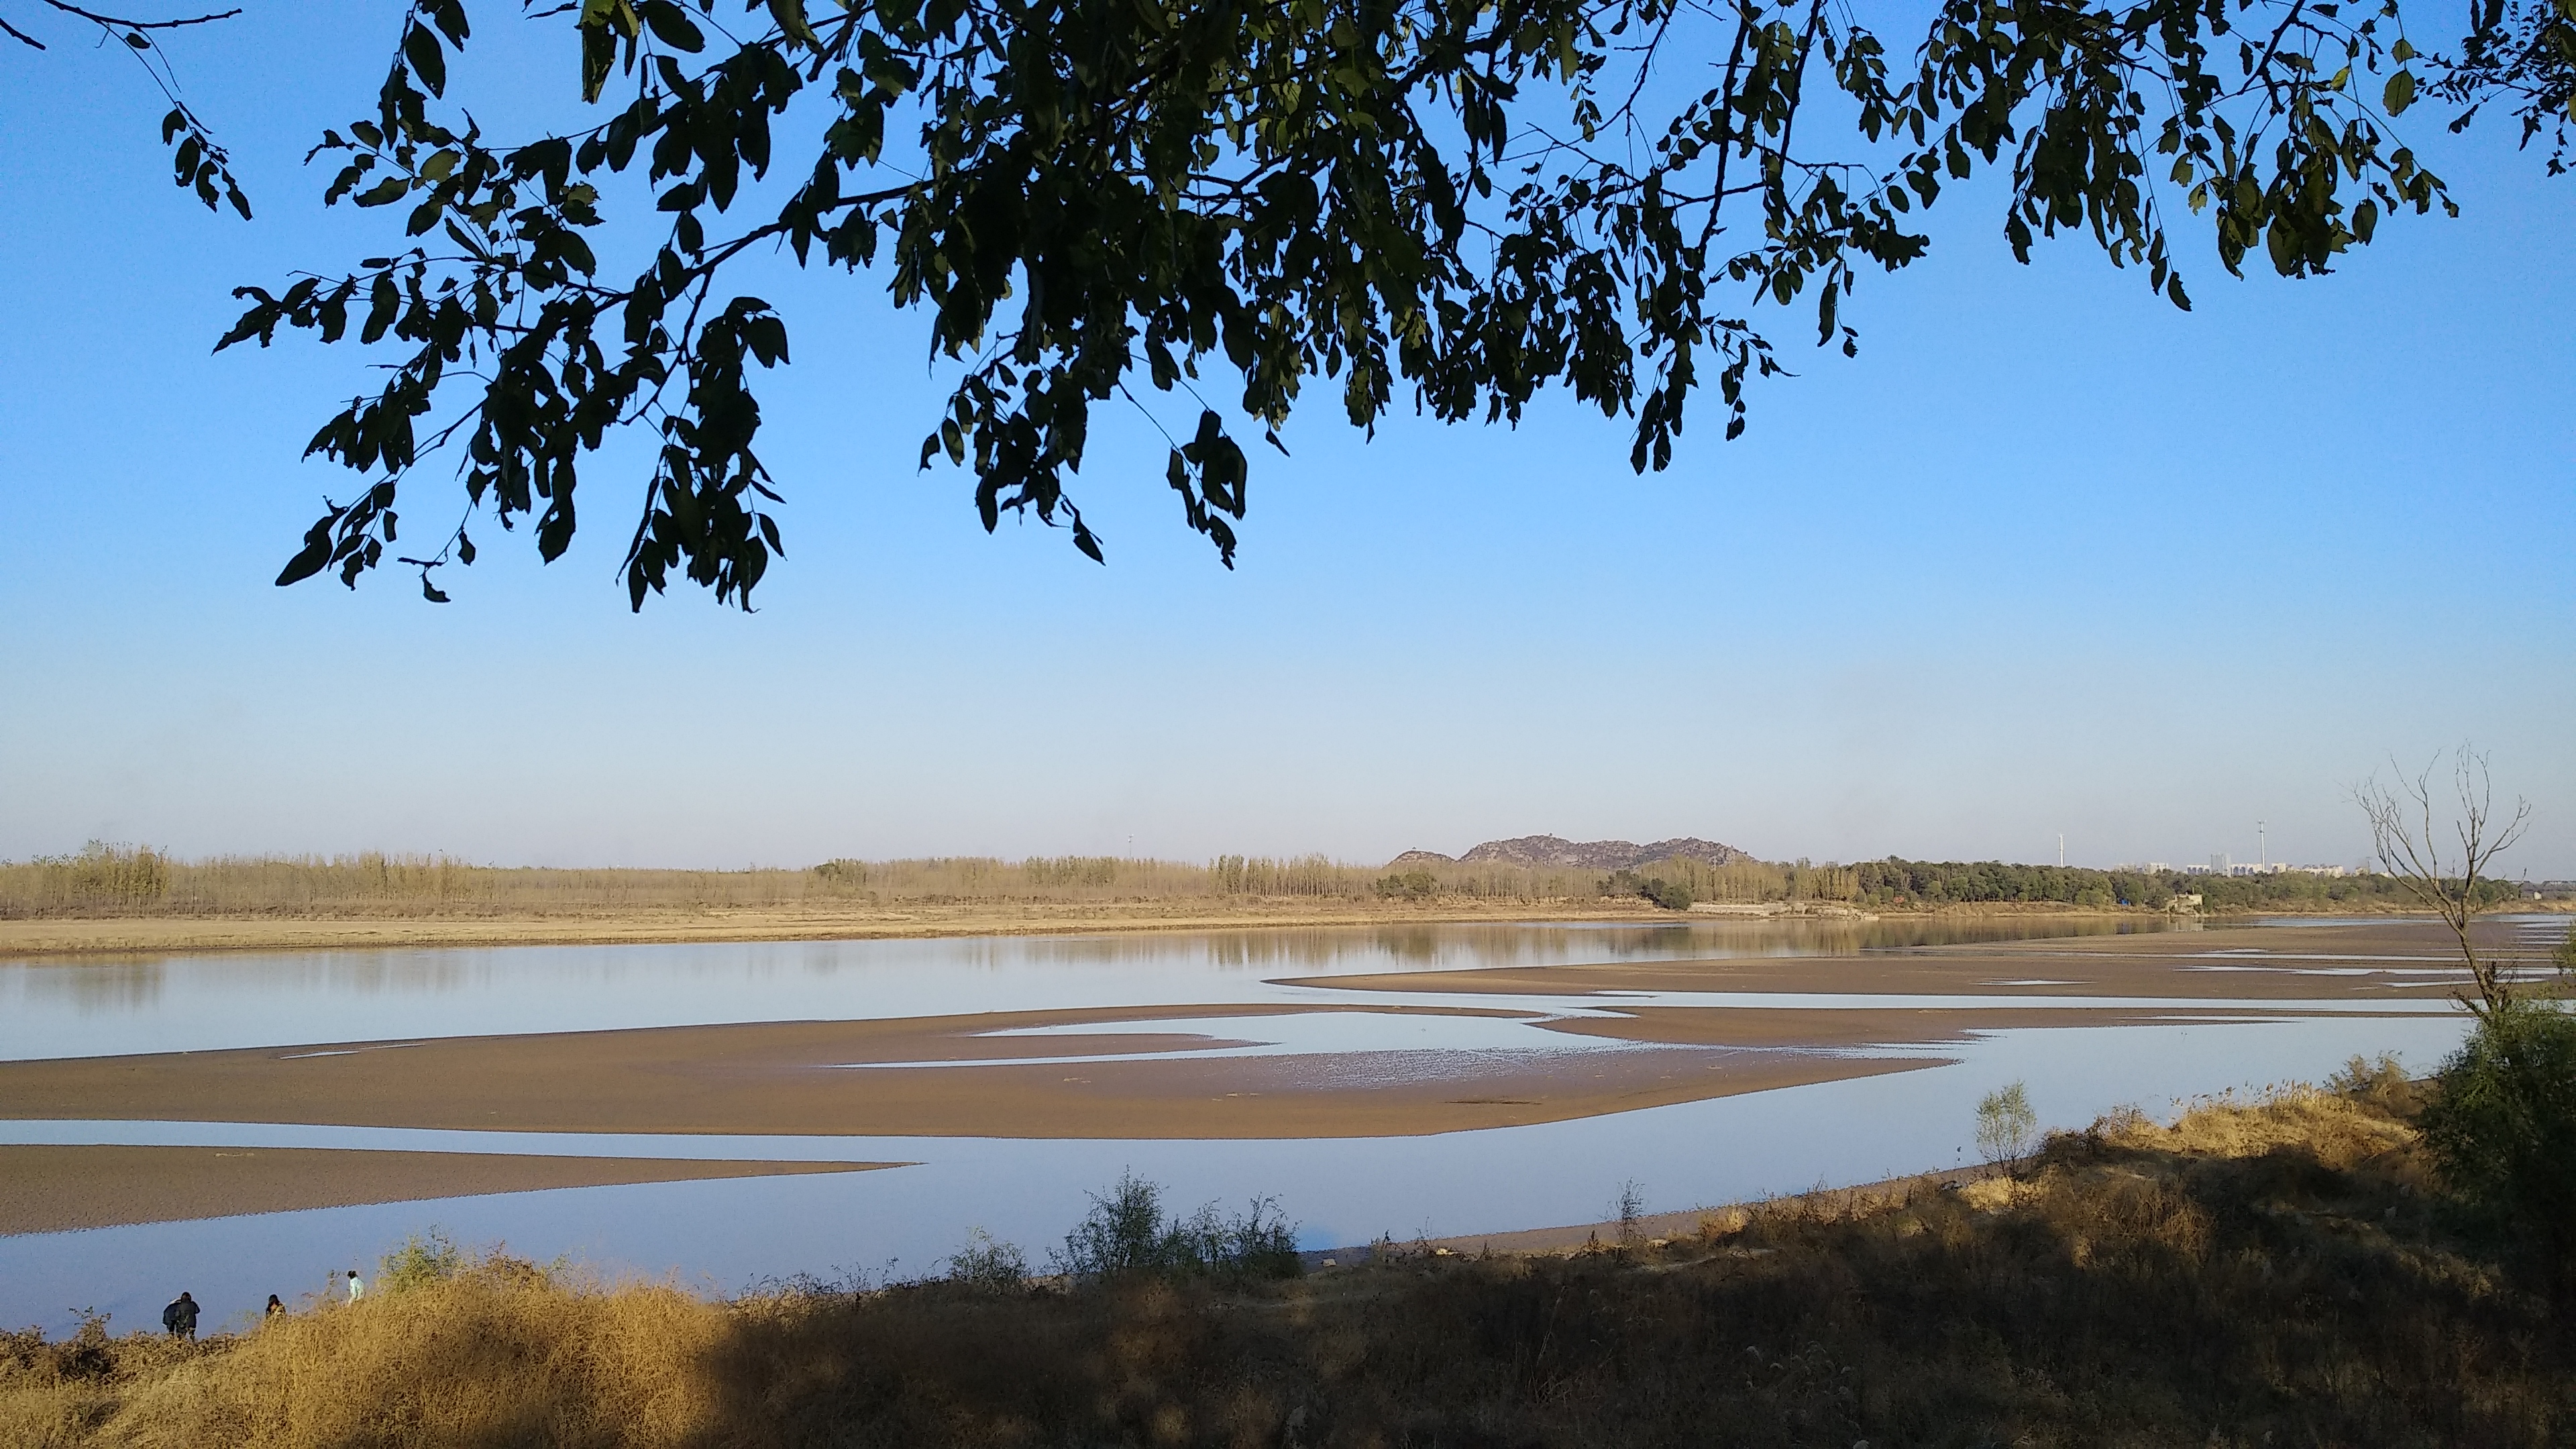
column 2340, row 1132
column 492, row 1356
column 2261, row 1272
column 123, row 882
column 661, row 924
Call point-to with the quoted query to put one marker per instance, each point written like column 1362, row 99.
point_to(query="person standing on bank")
column 274, row 1311
column 357, row 1289
column 181, row 1317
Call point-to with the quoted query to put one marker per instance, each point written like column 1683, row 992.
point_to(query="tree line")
column 1899, row 882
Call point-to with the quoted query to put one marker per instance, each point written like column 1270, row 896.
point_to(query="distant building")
column 2220, row 865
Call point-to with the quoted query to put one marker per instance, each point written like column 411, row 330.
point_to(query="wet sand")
column 870, row 1078
column 2394, row 960
column 948, row 1076
column 1887, row 1027
column 47, row 1189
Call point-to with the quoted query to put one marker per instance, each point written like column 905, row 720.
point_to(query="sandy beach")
column 48, row 1189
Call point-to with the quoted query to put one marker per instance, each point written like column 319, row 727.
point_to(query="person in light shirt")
column 357, row 1288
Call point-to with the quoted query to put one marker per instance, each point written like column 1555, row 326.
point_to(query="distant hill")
column 1556, row 851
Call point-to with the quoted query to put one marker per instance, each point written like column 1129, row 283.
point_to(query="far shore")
column 162, row 934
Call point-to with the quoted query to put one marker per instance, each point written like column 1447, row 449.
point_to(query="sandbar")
column 48, row 1188
column 873, row 1078
column 2396, row 960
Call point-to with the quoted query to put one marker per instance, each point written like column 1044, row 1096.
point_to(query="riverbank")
column 144, row 935
column 2274, row 1271
column 138, row 935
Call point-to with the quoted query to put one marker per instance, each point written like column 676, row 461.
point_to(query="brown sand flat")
column 1849, row 1027
column 1683, row 1223
column 798, row 1077
column 48, row 1189
column 2381, row 960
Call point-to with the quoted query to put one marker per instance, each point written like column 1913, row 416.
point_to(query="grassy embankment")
column 2265, row 1272
column 107, row 899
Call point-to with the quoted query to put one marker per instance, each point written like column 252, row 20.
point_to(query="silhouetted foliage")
column 1127, row 1234
column 1200, row 208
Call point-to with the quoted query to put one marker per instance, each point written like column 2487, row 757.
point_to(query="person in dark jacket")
column 181, row 1317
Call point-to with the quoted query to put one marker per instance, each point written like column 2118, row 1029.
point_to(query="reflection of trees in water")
column 1333, row 949
column 114, row 984
column 1326, row 950
column 107, row 985
column 358, row 973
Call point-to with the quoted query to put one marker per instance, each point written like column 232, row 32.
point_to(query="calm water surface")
column 726, row 1235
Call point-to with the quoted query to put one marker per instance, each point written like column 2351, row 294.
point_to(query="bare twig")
column 95, row 18
column 2407, row 840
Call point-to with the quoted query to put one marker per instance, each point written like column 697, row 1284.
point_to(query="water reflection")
column 87, row 1007
column 115, row 985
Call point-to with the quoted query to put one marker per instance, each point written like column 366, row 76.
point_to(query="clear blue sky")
column 2048, row 557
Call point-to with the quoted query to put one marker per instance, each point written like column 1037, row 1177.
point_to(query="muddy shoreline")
column 50, row 1189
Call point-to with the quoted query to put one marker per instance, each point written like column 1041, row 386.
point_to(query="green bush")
column 1672, row 895
column 423, row 1258
column 988, row 1263
column 2005, row 1124
column 2502, row 1125
column 1126, row 1234
column 1412, row 885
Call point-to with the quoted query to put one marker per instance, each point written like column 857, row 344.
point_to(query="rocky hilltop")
column 1553, row 850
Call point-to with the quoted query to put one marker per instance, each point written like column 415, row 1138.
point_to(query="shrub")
column 2380, row 1083
column 1126, row 1234
column 987, row 1263
column 422, row 1259
column 1412, row 885
column 2005, row 1124
column 1672, row 895
column 1630, row 1209
column 2502, row 1125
